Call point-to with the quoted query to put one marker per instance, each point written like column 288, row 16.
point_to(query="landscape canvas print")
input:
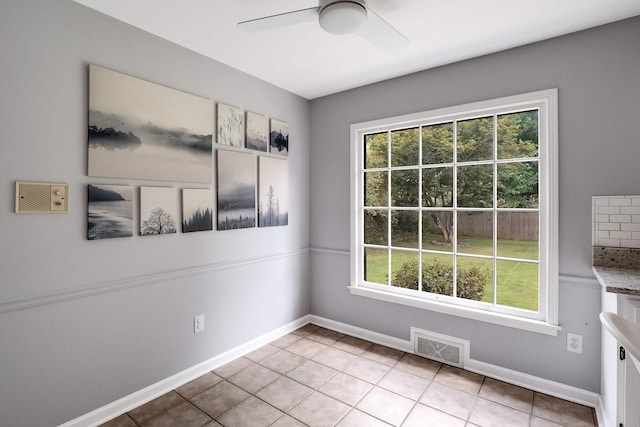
column 279, row 137
column 273, row 192
column 110, row 211
column 197, row 210
column 257, row 132
column 158, row 210
column 142, row 130
column 230, row 126
column 236, row 190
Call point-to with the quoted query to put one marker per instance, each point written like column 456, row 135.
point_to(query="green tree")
column 517, row 180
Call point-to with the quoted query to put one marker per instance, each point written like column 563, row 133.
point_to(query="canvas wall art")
column 230, row 126
column 197, row 210
column 158, row 210
column 236, row 190
column 142, row 130
column 279, row 137
column 273, row 193
column 257, row 132
column 110, row 211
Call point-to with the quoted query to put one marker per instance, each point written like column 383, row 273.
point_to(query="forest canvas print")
column 197, row 210
column 230, row 126
column 279, row 137
column 273, row 192
column 110, row 211
column 257, row 132
column 236, row 190
column 142, row 130
column 158, row 210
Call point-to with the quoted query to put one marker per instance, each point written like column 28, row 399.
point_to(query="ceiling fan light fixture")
column 342, row 16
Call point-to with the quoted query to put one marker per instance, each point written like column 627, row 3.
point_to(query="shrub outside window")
column 456, row 208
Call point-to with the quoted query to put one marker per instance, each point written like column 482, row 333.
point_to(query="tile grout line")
column 371, row 352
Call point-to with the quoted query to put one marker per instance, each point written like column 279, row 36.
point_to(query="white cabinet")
column 628, row 375
column 620, row 379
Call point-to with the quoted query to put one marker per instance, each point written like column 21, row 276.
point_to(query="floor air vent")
column 440, row 348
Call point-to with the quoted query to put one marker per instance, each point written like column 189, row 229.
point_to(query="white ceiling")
column 305, row 60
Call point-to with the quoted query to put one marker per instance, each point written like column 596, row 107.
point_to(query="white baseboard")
column 127, row 403
column 153, row 391
column 365, row 334
column 531, row 382
column 603, row 420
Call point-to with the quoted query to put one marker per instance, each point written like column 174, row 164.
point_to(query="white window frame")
column 546, row 102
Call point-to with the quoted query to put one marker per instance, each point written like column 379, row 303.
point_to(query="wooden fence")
column 511, row 225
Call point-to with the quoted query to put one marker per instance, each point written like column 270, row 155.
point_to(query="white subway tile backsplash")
column 620, row 234
column 619, row 218
column 630, row 210
column 620, row 201
column 612, row 226
column 630, row 243
column 616, row 221
column 611, row 210
column 609, row 242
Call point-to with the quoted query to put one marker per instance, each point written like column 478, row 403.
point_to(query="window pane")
column 437, row 144
column 375, row 189
column 404, row 188
column 404, row 269
column 518, row 135
column 518, row 285
column 518, row 235
column 475, row 233
column 518, row 185
column 437, row 230
column 475, row 186
column 475, row 139
column 404, row 229
column 376, row 264
column 404, row 147
column 376, row 151
column 474, row 278
column 437, row 273
column 375, row 227
column 437, row 187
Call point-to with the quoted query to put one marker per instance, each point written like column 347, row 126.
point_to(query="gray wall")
column 596, row 73
column 84, row 323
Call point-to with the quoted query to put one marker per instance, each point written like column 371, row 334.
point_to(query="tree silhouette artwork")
column 272, row 215
column 159, row 222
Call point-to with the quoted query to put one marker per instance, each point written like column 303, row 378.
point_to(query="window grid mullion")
column 495, row 210
column 420, row 193
column 389, row 208
column 454, row 214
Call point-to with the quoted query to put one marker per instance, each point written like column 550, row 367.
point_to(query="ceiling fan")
column 338, row 17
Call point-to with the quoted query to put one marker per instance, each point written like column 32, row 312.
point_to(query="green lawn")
column 517, row 282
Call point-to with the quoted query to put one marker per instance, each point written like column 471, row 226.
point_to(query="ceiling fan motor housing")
column 342, row 16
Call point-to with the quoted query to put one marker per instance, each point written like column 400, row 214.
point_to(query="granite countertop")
column 619, row 280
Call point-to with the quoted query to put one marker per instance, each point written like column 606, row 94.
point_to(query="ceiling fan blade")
column 280, row 20
column 381, row 34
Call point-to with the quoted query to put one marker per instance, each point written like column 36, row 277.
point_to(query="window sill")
column 454, row 310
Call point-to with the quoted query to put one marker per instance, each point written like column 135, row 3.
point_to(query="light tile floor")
column 317, row 377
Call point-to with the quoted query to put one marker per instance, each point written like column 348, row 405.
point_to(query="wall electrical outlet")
column 574, row 343
column 198, row 323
